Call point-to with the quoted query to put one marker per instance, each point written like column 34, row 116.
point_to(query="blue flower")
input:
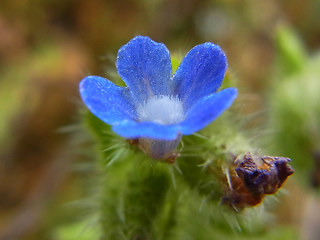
column 157, row 107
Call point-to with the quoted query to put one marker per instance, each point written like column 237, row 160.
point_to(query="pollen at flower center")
column 161, row 109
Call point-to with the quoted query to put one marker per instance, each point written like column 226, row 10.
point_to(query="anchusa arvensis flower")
column 156, row 107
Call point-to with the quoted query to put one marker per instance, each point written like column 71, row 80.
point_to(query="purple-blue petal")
column 207, row 109
column 108, row 102
column 200, row 73
column 145, row 66
column 151, row 130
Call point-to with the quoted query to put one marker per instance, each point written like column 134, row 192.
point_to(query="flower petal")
column 200, row 73
column 151, row 130
column 145, row 66
column 207, row 109
column 107, row 101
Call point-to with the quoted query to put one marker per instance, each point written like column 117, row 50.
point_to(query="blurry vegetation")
column 47, row 162
column 295, row 106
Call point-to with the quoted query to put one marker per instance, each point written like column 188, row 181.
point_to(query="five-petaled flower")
column 156, row 107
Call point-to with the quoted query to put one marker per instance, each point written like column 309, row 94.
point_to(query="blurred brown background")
column 48, row 46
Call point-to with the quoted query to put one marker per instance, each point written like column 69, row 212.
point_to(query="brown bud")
column 252, row 177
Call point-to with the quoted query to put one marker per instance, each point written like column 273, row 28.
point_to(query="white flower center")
column 161, row 109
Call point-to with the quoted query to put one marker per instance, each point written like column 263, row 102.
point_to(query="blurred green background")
column 48, row 46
